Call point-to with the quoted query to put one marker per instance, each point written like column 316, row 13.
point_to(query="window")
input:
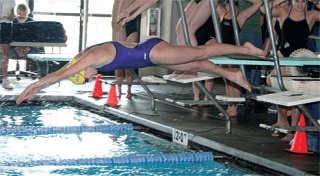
column 68, row 13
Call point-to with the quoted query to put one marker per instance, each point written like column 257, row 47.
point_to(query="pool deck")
column 247, row 141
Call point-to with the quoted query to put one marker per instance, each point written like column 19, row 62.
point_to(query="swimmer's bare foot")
column 186, row 75
column 241, row 81
column 254, row 51
column 174, row 74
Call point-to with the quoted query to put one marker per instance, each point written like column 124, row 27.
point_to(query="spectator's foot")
column 288, row 137
column 232, row 112
column 275, row 134
column 233, row 117
column 119, row 94
column 6, row 84
column 129, row 95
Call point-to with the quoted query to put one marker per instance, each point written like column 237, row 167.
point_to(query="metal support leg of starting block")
column 135, row 76
column 187, row 39
column 213, row 100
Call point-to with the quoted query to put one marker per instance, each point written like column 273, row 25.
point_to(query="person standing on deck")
column 6, row 18
column 296, row 24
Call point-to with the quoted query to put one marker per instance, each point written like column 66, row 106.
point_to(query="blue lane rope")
column 160, row 158
column 40, row 130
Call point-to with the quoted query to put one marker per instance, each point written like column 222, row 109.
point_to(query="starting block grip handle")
column 169, row 100
column 180, row 103
column 268, row 127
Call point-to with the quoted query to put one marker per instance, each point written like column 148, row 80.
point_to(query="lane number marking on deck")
column 180, row 137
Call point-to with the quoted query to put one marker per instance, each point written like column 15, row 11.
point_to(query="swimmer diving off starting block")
column 112, row 55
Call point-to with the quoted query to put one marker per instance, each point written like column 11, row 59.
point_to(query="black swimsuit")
column 227, row 33
column 133, row 26
column 294, row 35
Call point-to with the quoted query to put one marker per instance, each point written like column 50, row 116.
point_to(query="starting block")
column 291, row 97
column 221, row 99
column 153, row 79
column 226, row 98
column 190, row 102
column 199, row 77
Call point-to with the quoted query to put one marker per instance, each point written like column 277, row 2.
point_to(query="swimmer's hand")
column 28, row 93
column 123, row 18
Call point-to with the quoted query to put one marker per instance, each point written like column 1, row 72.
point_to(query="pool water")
column 20, row 154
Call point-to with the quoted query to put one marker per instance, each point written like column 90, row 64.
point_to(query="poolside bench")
column 31, row 44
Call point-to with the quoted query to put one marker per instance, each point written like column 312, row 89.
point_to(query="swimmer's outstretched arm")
column 44, row 82
column 85, row 61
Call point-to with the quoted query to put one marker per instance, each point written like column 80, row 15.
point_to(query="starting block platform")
column 291, row 97
column 226, row 98
column 190, row 102
column 153, row 79
column 51, row 57
column 221, row 99
column 246, row 60
column 38, row 44
column 199, row 77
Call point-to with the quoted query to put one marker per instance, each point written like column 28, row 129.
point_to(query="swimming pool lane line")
column 40, row 130
column 158, row 158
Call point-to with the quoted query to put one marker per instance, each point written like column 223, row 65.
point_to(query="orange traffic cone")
column 97, row 89
column 300, row 143
column 112, row 99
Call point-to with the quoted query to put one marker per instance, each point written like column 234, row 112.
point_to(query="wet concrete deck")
column 247, row 141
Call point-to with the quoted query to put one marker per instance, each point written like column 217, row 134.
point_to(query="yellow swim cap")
column 78, row 78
